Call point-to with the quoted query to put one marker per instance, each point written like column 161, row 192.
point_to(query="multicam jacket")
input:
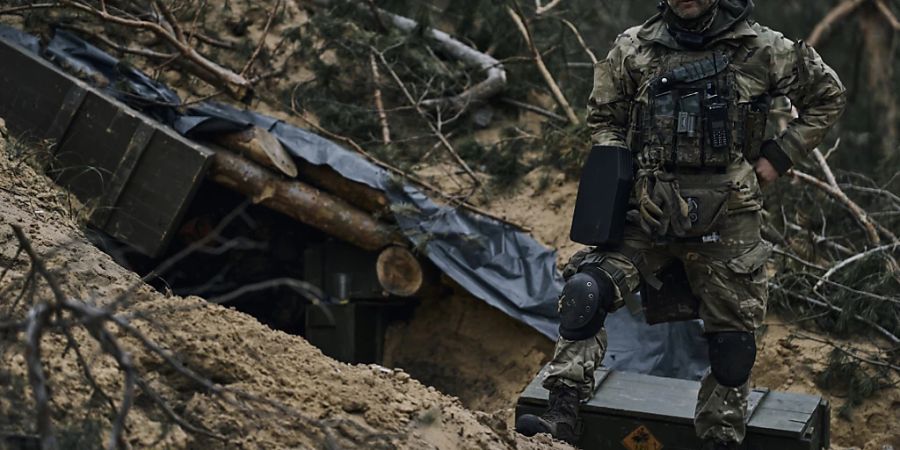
column 762, row 64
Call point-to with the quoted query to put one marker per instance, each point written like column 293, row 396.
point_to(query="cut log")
column 399, row 272
column 358, row 194
column 263, row 147
column 260, row 146
column 303, row 202
column 402, row 274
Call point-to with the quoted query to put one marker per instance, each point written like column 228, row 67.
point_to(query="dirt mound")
column 270, row 389
column 466, row 348
column 792, row 364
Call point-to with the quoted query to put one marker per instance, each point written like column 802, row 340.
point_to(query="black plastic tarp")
column 494, row 261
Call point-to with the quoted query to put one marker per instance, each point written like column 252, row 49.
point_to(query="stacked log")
column 323, row 199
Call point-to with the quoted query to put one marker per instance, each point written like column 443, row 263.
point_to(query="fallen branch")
column 403, row 175
column 888, row 14
column 495, row 74
column 884, row 332
column 434, row 129
column 858, row 213
column 837, row 267
column 168, row 31
column 541, row 9
column 379, row 102
column 836, row 14
column 262, row 40
column 581, row 42
column 533, row 108
column 849, row 351
column 542, row 68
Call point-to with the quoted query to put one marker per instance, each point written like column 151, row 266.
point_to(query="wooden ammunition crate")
column 642, row 412
column 135, row 175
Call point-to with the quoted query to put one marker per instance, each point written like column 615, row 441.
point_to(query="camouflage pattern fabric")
column 728, row 276
column 673, row 210
column 763, row 62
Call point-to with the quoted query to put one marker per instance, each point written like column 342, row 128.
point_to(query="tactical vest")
column 692, row 118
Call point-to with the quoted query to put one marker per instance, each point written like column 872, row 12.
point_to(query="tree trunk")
column 260, row 146
column 303, row 202
column 358, row 194
column 402, row 274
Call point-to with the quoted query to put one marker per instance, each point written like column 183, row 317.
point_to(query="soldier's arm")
column 610, row 100
column 814, row 89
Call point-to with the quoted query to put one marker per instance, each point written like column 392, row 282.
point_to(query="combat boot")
column 717, row 445
column 559, row 420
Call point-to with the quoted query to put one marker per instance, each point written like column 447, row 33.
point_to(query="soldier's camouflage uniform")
column 728, row 275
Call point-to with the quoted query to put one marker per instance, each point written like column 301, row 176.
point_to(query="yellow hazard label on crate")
column 641, row 439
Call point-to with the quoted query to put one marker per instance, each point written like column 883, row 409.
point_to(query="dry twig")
column 434, row 129
column 542, row 9
column 842, row 264
column 262, row 39
column 581, row 42
column 838, row 13
column 379, row 102
column 403, row 175
column 883, row 331
column 542, row 68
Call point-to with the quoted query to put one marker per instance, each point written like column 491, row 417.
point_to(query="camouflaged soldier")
column 687, row 94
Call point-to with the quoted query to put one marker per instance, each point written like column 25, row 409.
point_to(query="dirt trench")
column 463, row 362
column 271, row 389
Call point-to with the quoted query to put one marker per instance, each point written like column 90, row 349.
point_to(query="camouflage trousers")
column 727, row 276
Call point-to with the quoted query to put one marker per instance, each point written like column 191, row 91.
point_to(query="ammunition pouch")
column 673, row 301
column 694, row 120
column 707, row 206
column 754, row 116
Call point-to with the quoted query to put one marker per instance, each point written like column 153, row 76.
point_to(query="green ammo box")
column 642, row 412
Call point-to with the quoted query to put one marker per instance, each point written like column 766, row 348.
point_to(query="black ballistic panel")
column 602, row 201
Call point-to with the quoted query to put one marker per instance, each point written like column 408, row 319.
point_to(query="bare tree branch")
column 839, row 12
column 434, row 129
column 841, row 265
column 262, row 39
column 542, row 68
column 542, row 9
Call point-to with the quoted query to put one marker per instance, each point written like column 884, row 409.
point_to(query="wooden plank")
column 122, row 173
column 39, row 90
column 138, row 175
column 158, row 192
column 70, row 104
column 792, row 401
column 87, row 158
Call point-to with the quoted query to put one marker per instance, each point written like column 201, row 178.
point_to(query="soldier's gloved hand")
column 666, row 194
column 651, row 214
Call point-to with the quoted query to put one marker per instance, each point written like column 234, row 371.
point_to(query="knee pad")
column 584, row 303
column 731, row 356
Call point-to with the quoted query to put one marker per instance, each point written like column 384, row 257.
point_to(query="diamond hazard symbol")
column 641, row 439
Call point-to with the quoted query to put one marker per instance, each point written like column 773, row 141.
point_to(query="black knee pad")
column 584, row 303
column 731, row 356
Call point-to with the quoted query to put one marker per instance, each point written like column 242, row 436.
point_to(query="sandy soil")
column 466, row 348
column 547, row 211
column 787, row 363
column 301, row 397
column 456, row 345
